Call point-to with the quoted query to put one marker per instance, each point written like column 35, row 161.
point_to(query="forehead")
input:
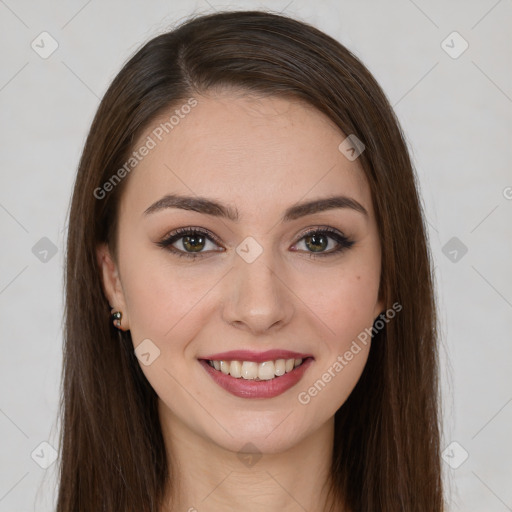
column 260, row 153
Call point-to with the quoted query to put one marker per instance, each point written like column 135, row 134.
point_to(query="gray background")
column 457, row 116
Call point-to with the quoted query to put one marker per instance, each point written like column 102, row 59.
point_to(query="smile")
column 254, row 379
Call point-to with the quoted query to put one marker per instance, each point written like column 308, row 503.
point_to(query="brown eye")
column 318, row 240
column 193, row 241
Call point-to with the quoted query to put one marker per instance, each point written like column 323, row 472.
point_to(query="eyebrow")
column 211, row 207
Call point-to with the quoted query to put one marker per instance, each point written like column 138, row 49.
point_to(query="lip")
column 256, row 357
column 244, row 388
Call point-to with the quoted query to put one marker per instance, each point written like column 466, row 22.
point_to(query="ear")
column 112, row 286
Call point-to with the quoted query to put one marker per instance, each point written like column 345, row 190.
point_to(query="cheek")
column 344, row 298
column 344, row 312
column 351, row 306
column 162, row 296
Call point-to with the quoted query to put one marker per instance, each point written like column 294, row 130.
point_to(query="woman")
column 246, row 211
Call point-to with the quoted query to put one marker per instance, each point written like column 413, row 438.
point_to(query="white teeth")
column 224, row 367
column 251, row 370
column 266, row 370
column 235, row 369
column 280, row 367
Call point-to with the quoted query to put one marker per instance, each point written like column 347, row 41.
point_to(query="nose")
column 258, row 299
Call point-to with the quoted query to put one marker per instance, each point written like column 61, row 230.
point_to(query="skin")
column 260, row 155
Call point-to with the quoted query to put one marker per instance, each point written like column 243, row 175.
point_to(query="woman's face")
column 270, row 279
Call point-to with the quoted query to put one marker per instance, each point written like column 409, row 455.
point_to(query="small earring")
column 117, row 316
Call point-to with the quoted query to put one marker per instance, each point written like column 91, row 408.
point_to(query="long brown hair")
column 386, row 446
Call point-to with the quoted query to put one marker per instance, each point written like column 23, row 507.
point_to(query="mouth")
column 247, row 378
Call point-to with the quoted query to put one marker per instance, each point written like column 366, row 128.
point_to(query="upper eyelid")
column 322, row 228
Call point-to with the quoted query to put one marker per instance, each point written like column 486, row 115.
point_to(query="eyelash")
column 343, row 242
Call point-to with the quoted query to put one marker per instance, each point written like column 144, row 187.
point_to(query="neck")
column 209, row 477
